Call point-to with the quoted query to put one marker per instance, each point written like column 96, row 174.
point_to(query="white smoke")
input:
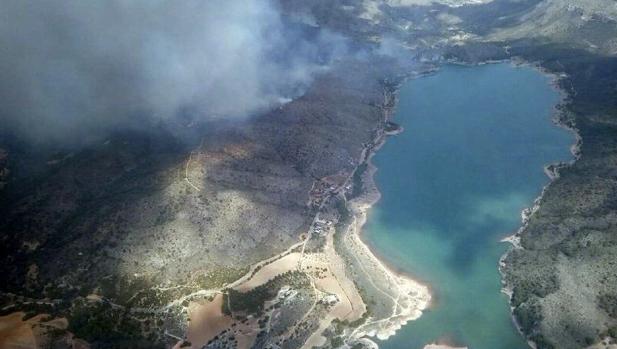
column 69, row 67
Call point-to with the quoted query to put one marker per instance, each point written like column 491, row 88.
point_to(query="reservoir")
column 453, row 185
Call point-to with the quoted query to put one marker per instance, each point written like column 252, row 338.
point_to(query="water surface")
column 454, row 183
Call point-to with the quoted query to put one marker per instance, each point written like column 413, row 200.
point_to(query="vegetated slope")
column 130, row 217
column 148, row 217
column 591, row 24
column 564, row 276
column 564, row 279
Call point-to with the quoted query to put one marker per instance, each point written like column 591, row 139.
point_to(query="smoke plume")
column 81, row 67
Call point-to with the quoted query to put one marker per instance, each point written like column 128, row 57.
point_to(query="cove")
column 454, row 184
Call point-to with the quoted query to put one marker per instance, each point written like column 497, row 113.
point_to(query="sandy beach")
column 400, row 298
column 408, row 296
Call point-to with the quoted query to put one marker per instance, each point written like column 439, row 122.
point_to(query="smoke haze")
column 73, row 67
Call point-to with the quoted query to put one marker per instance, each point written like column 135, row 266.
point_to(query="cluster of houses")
column 325, row 187
column 320, row 227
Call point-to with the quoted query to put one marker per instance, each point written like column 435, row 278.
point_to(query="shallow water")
column 454, row 184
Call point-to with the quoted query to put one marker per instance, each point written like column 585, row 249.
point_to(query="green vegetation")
column 357, row 180
column 542, row 342
column 608, row 303
column 339, row 325
column 110, row 194
column 574, row 209
column 540, row 286
column 219, row 276
column 146, row 292
column 612, row 332
column 337, row 342
column 528, row 316
column 252, row 302
column 101, row 322
column 341, row 226
column 138, row 291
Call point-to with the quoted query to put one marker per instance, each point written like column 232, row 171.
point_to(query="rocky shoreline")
column 372, row 194
column 551, row 171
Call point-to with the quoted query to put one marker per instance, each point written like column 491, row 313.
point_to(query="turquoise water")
column 454, row 184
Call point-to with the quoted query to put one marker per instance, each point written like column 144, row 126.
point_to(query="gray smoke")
column 72, row 67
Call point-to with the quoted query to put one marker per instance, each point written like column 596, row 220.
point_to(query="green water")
column 454, row 184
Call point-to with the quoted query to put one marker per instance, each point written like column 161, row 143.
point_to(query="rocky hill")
column 137, row 239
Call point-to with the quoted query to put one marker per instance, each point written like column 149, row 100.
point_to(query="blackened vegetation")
column 54, row 209
column 118, row 220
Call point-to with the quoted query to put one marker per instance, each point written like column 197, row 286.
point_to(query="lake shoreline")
column 369, row 186
column 551, row 170
column 359, row 208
